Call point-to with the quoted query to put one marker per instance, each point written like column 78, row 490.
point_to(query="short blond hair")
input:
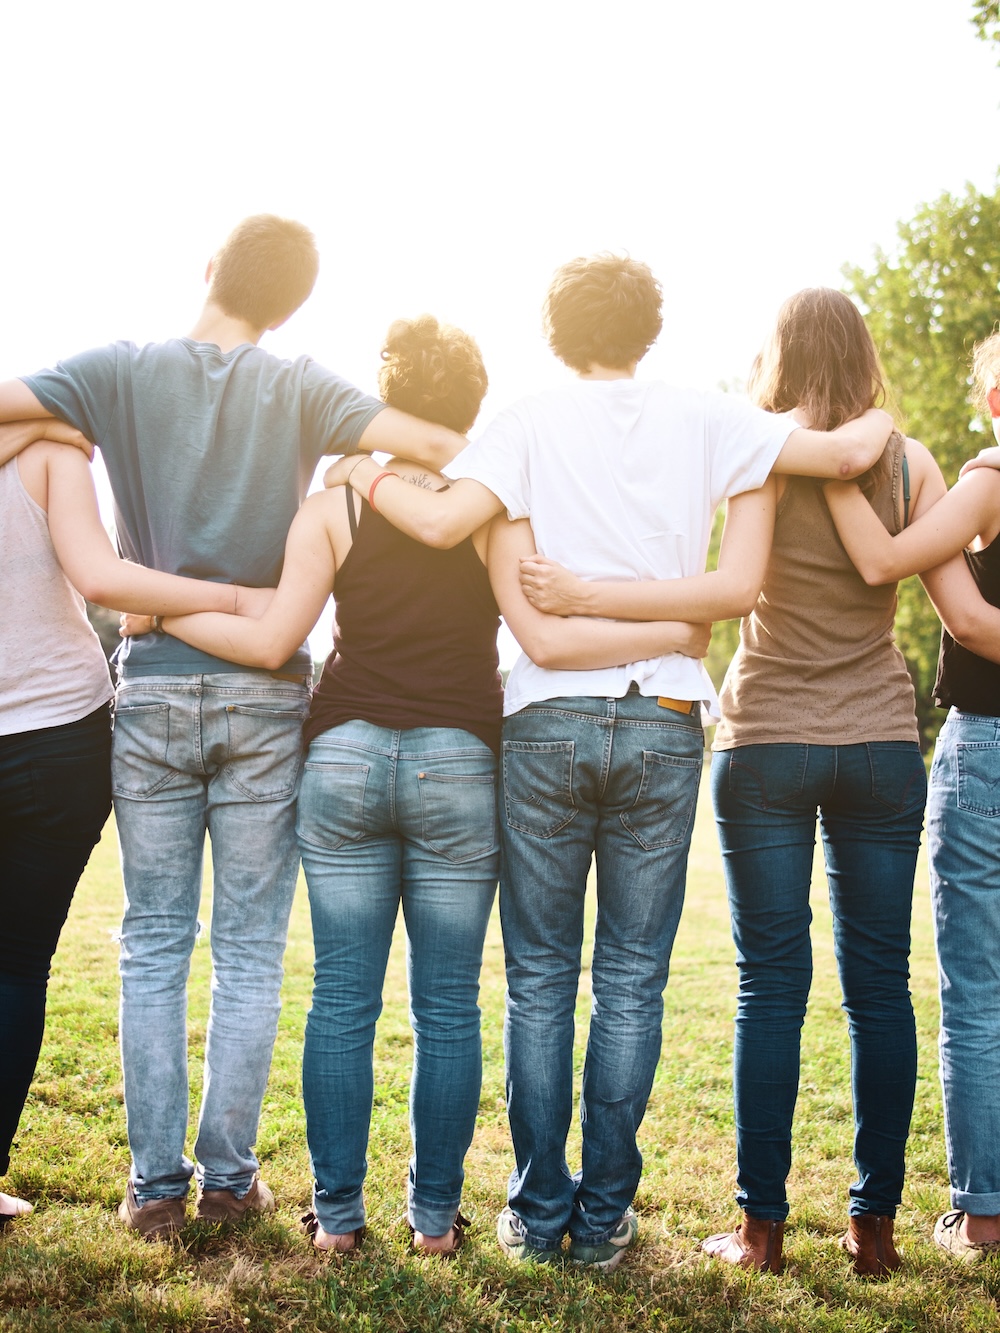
column 265, row 270
column 985, row 371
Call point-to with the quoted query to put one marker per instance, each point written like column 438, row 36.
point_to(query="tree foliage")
column 927, row 304
column 986, row 19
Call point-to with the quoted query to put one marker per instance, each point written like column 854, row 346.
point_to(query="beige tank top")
column 52, row 667
column 817, row 662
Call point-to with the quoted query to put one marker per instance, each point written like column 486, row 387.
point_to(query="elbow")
column 876, row 571
column 270, row 657
column 853, row 461
column 969, row 630
column 746, row 603
column 97, row 590
column 439, row 533
column 742, row 601
column 544, row 649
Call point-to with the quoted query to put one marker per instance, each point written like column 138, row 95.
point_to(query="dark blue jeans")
column 55, row 795
column 870, row 798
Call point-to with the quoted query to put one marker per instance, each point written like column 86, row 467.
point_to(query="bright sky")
column 450, row 154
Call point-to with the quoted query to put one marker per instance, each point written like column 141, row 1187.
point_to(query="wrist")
column 363, row 474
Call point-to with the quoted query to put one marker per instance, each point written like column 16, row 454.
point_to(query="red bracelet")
column 371, row 489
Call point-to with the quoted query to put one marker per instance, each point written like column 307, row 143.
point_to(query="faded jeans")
column 963, row 837
column 219, row 753
column 584, row 777
column 391, row 819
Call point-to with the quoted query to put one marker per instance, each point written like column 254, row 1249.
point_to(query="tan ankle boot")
column 754, row 1244
column 868, row 1241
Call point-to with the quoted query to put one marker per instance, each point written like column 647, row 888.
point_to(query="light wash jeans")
column 220, row 753
column 963, row 838
column 870, row 799
column 615, row 778
column 388, row 818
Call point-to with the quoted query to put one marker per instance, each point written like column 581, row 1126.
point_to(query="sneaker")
column 610, row 1252
column 514, row 1243
column 948, row 1235
column 157, row 1219
column 225, row 1206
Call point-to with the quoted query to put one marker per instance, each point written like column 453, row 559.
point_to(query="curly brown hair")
column 602, row 311
column 433, row 371
column 265, row 270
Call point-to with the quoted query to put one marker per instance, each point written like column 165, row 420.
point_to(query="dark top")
column 415, row 644
column 964, row 679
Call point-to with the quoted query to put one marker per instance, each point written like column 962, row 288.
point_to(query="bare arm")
column 86, row 554
column 306, row 582
column 17, row 402
column 15, row 436
column 845, row 452
column 729, row 591
column 436, row 518
column 966, row 615
column 985, row 458
column 575, row 643
column 943, row 521
column 393, row 432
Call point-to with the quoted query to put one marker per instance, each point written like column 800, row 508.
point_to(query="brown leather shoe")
column 225, row 1206
column 868, row 1241
column 158, row 1219
column 754, row 1244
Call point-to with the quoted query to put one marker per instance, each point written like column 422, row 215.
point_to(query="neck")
column 596, row 372
column 225, row 331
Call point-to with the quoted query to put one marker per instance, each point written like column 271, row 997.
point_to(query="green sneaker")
column 513, row 1242
column 611, row 1252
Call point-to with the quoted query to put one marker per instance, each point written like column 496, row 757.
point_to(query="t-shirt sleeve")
column 499, row 461
column 744, row 442
column 82, row 390
column 334, row 412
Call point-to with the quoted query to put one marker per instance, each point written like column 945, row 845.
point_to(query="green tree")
column 927, row 304
column 986, row 19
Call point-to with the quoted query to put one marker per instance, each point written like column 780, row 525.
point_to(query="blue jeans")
column 55, row 796
column 615, row 778
column 389, row 817
column 871, row 802
column 218, row 753
column 963, row 836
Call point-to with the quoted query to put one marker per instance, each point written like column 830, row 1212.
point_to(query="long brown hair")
column 820, row 357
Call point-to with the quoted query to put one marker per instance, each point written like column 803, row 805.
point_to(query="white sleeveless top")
column 52, row 666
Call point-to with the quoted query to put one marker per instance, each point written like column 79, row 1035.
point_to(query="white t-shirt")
column 621, row 480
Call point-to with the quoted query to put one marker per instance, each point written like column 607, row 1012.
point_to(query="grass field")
column 72, row 1267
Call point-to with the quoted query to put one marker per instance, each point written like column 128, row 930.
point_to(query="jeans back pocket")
column 538, row 786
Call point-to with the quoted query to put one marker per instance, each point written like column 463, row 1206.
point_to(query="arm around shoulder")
column 843, row 453
column 395, row 432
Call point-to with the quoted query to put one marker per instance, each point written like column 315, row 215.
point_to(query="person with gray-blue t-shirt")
column 210, row 443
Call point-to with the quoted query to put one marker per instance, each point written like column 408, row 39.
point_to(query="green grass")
column 72, row 1267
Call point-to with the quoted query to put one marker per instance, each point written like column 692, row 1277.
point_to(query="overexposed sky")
column 450, row 154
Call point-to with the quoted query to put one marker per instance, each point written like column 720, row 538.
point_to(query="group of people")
column 409, row 778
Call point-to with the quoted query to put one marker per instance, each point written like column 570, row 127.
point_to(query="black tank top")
column 964, row 679
column 415, row 643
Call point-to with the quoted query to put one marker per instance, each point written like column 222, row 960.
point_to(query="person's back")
column 210, row 443
column 622, row 479
column 817, row 661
